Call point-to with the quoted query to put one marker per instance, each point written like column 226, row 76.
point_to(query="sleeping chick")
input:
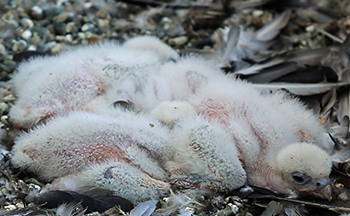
column 132, row 155
column 69, row 144
column 277, row 152
column 124, row 155
column 206, row 151
column 175, row 81
column 80, row 78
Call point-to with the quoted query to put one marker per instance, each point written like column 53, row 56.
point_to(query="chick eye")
column 300, row 178
column 126, row 104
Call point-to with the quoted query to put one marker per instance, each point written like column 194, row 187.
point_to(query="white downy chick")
column 84, row 150
column 145, row 90
column 203, row 155
column 67, row 145
column 75, row 79
column 71, row 80
column 175, row 81
column 262, row 131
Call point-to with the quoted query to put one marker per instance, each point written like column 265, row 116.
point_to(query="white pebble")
column 178, row 40
column 27, row 34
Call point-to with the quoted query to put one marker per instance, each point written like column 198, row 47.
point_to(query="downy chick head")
column 164, row 51
column 170, row 111
column 305, row 170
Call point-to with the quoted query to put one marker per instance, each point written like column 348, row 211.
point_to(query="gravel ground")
column 50, row 27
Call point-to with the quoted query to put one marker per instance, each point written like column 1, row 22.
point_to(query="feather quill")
column 271, row 30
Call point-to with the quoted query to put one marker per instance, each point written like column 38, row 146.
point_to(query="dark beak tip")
column 325, row 193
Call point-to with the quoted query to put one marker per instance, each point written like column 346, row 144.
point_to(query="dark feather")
column 302, row 57
column 346, row 47
column 23, row 56
column 309, row 75
column 93, row 203
column 271, row 4
column 272, row 73
column 252, row 192
column 29, row 211
column 308, row 57
column 301, row 88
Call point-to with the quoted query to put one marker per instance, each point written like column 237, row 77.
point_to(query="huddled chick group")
column 137, row 119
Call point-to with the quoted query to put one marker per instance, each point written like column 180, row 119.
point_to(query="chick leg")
column 125, row 180
column 214, row 159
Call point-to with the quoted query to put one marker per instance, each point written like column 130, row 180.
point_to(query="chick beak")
column 318, row 188
column 325, row 193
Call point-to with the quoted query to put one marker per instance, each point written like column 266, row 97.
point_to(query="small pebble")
column 69, row 38
column 32, row 47
column 87, row 27
column 165, row 22
column 87, row 5
column 10, row 64
column 19, row 204
column 175, row 31
column 178, row 40
column 57, row 48
column 10, row 15
column 62, row 17
column 35, row 38
column 60, row 38
column 19, row 46
column 103, row 23
column 36, row 12
column 234, row 208
column 60, row 28
column 27, row 34
column 2, row 49
column 9, row 207
column 258, row 13
column 92, row 38
column 71, row 27
column 102, row 13
column 81, row 35
column 27, row 23
column 12, row 23
column 9, row 98
column 3, row 190
column 310, row 28
column 4, row 67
